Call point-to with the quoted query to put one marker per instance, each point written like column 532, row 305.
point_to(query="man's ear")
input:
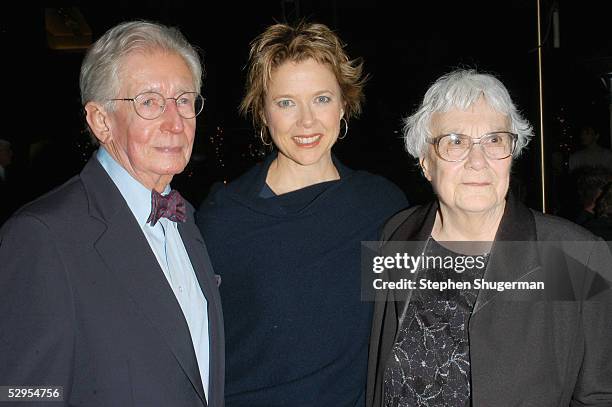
column 97, row 119
column 425, row 163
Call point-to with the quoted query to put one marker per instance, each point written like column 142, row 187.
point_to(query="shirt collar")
column 136, row 195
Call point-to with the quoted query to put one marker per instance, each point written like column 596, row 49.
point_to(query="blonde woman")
column 285, row 237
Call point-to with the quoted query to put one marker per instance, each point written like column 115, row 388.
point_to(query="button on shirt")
column 167, row 245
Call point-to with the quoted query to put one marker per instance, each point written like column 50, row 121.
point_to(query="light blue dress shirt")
column 167, row 245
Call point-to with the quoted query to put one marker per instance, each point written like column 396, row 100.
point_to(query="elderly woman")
column 285, row 237
column 471, row 344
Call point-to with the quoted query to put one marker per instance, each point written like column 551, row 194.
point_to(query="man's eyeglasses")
column 456, row 147
column 151, row 105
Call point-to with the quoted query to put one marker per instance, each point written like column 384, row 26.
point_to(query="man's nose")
column 171, row 119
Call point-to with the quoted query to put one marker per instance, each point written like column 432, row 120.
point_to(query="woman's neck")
column 455, row 225
column 285, row 175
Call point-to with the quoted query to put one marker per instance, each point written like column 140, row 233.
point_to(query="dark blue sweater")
column 296, row 329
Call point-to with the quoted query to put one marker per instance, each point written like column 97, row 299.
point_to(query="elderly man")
column 108, row 294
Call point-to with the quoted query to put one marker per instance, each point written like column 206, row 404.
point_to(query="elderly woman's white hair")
column 459, row 90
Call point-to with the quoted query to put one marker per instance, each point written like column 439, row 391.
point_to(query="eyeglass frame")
column 435, row 141
column 163, row 109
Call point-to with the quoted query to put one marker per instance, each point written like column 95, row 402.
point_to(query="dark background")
column 405, row 46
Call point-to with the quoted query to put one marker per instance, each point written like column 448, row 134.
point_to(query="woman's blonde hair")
column 280, row 43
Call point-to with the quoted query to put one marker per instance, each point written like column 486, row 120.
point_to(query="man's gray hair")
column 99, row 79
column 459, row 90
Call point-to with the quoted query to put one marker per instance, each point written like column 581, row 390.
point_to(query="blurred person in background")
column 588, row 182
column 601, row 223
column 8, row 200
column 592, row 154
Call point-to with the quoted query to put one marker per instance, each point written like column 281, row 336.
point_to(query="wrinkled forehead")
column 149, row 67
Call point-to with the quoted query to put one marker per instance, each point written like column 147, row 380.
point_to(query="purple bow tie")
column 171, row 206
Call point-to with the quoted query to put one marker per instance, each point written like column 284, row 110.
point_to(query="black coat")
column 85, row 305
column 549, row 347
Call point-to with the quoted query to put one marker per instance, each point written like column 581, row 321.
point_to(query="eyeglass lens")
column 457, row 146
column 151, row 105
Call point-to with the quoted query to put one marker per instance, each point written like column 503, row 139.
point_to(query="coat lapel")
column 390, row 304
column 516, row 232
column 514, row 253
column 125, row 250
column 416, row 229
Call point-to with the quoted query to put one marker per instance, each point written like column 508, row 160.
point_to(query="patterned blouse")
column 430, row 362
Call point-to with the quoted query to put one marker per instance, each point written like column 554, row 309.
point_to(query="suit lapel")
column 125, row 250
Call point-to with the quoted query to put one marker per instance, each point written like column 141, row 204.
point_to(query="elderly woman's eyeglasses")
column 151, row 105
column 456, row 147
